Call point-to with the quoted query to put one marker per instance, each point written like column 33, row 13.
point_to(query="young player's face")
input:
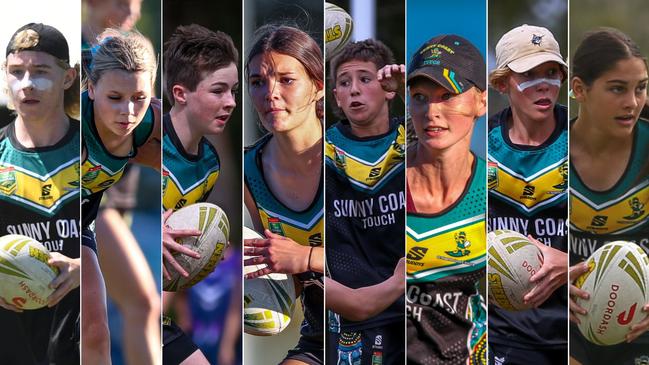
column 443, row 119
column 533, row 93
column 282, row 92
column 615, row 99
column 359, row 93
column 210, row 106
column 36, row 83
column 122, row 14
column 121, row 99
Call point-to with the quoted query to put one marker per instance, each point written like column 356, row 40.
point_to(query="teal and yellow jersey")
column 39, row 198
column 39, row 190
column 528, row 194
column 187, row 179
column 446, row 257
column 619, row 213
column 365, row 199
column 101, row 169
column 453, row 242
column 305, row 227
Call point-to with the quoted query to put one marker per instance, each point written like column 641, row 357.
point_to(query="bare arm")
column 363, row 303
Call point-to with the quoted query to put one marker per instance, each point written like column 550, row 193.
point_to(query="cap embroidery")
column 536, row 39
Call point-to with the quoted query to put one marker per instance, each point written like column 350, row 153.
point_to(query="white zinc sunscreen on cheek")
column 38, row 83
column 527, row 84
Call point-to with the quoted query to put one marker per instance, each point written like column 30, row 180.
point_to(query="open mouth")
column 435, row 129
column 30, row 101
column 543, row 102
column 625, row 118
column 223, row 118
column 355, row 104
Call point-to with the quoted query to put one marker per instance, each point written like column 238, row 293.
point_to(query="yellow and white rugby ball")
column 513, row 259
column 338, row 29
column 215, row 228
column 24, row 272
column 618, row 283
column 268, row 301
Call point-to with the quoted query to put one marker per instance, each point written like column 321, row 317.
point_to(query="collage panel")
column 609, row 183
column 39, row 184
column 527, row 182
column 202, row 182
column 283, row 191
column 446, row 192
column 120, row 181
column 364, row 182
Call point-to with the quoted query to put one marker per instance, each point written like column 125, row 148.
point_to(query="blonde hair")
column 27, row 39
column 127, row 51
column 500, row 75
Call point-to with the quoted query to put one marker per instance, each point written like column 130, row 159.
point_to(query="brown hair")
column 600, row 50
column 117, row 50
column 368, row 50
column 295, row 43
column 193, row 51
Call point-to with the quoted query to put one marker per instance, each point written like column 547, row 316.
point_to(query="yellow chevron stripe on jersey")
column 96, row 178
column 368, row 174
column 614, row 216
column 452, row 249
column 42, row 192
column 174, row 193
column 309, row 234
column 529, row 192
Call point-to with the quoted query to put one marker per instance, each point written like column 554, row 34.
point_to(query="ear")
column 336, row 97
column 69, row 78
column 578, row 88
column 502, row 85
column 319, row 94
column 481, row 100
column 91, row 91
column 390, row 95
column 179, row 93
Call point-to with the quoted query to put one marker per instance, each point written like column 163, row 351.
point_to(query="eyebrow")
column 624, row 81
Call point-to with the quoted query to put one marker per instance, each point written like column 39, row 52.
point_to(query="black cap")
column 49, row 40
column 450, row 61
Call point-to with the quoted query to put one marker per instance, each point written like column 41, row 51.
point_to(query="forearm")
column 362, row 303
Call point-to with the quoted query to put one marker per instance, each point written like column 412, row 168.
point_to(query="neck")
column 43, row 132
column 438, row 173
column 594, row 141
column 189, row 137
column 528, row 132
column 379, row 125
column 299, row 149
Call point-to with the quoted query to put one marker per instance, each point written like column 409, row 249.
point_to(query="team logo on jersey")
column 375, row 173
column 492, row 174
column 350, row 348
column 599, row 221
column 181, row 203
column 642, row 360
column 462, row 245
column 563, row 170
column 315, row 239
column 528, row 192
column 275, row 226
column 417, row 253
column 339, row 159
column 46, row 192
column 536, row 39
column 91, row 175
column 165, row 179
column 637, row 208
column 75, row 183
column 7, row 180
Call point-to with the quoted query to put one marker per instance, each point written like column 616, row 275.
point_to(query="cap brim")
column 436, row 74
column 527, row 63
